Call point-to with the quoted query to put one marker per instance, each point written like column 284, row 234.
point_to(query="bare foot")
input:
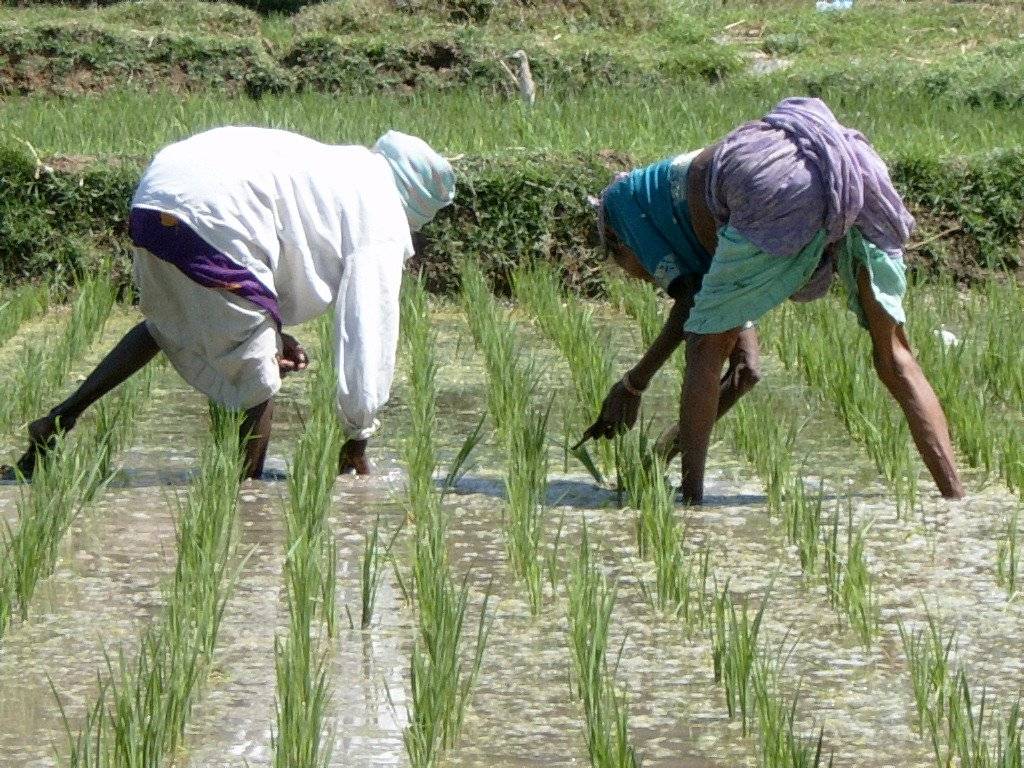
column 353, row 459
column 42, row 438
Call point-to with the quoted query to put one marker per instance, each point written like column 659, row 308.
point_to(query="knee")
column 896, row 371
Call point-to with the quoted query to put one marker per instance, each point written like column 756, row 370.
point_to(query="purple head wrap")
column 780, row 179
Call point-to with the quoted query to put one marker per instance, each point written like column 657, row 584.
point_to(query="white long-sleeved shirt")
column 317, row 224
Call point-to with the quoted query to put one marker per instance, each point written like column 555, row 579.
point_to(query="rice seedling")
column 734, row 643
column 969, row 731
column 149, row 699
column 779, row 743
column 1007, row 554
column 762, row 433
column 375, row 554
column 565, row 320
column 848, row 581
column 63, row 484
column 301, row 736
column 42, row 369
column 606, row 715
column 442, row 677
column 526, row 489
column 24, row 304
column 928, row 651
column 523, row 429
column 679, row 588
column 803, row 523
column 510, row 372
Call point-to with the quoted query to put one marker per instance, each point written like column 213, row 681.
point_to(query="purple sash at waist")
column 173, row 241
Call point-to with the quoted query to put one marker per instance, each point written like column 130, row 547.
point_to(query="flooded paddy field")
column 837, row 641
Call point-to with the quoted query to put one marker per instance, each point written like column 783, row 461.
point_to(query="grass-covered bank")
column 64, row 217
column 966, row 52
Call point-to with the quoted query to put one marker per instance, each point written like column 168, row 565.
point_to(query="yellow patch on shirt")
column 167, row 220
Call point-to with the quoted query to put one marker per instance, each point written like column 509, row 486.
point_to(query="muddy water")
column 121, row 550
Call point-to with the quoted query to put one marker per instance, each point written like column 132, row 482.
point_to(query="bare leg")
column 742, row 375
column 255, row 437
column 131, row 353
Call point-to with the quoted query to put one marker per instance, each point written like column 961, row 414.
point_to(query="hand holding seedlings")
column 216, row 314
column 729, row 234
column 618, row 412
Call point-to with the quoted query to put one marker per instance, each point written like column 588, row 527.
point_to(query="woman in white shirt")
column 239, row 232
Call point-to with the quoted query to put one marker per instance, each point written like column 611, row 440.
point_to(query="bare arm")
column 621, row 407
column 902, row 376
column 705, row 355
column 663, row 347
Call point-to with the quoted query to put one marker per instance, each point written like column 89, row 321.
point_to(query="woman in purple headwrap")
column 239, row 232
column 773, row 211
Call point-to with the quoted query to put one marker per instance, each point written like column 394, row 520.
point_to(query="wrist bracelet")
column 629, row 387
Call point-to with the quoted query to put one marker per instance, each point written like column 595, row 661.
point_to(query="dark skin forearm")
column 664, row 346
column 699, row 405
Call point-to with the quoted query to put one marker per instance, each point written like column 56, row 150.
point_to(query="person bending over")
column 239, row 232
column 771, row 212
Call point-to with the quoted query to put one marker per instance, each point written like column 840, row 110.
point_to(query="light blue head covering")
column 425, row 180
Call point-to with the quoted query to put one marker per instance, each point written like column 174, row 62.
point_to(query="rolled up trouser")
column 222, row 345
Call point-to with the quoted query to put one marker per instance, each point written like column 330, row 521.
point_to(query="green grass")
column 132, row 123
column 848, row 580
column 19, row 306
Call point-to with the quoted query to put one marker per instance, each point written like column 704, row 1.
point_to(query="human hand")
column 619, row 413
column 352, row 459
column 293, row 355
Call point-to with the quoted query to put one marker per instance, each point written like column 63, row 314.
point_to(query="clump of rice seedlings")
column 522, row 427
column 44, row 368
column 375, row 554
column 678, row 586
column 149, row 699
column 639, row 301
column 928, row 651
column 526, row 488
column 510, row 372
column 768, row 440
column 779, row 743
column 64, row 482
column 734, row 643
column 605, row 710
column 1008, row 556
column 301, row 736
column 802, row 516
column 565, row 320
column 19, row 307
column 969, row 733
column 442, row 674
column 848, row 581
